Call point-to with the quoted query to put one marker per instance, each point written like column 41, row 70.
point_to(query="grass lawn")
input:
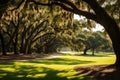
column 61, row 68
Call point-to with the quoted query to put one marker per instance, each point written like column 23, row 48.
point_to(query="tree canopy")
column 104, row 12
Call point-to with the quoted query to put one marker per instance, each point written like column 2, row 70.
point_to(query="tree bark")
column 93, row 52
column 116, row 47
column 16, row 43
column 111, row 28
column 15, row 48
column 3, row 44
column 85, row 50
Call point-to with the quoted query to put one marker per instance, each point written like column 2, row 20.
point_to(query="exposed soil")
column 100, row 72
column 12, row 57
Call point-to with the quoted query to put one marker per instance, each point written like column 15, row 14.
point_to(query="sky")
column 98, row 26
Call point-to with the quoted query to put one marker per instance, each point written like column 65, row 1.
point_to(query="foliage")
column 34, row 29
column 90, row 40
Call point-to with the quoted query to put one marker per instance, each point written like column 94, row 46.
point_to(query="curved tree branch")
column 69, row 3
column 68, row 6
column 79, row 12
column 39, row 3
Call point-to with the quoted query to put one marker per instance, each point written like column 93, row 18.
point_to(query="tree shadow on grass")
column 109, row 75
column 100, row 72
column 29, row 73
column 32, row 72
column 96, row 55
column 60, row 61
column 54, row 75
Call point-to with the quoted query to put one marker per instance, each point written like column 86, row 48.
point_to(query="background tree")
column 90, row 41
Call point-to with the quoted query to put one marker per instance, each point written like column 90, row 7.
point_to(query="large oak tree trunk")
column 110, row 26
column 85, row 50
column 93, row 51
column 113, row 31
column 3, row 44
column 116, row 47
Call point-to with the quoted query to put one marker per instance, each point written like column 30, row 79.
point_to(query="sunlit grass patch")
column 36, row 75
column 90, row 60
column 8, row 69
column 67, row 74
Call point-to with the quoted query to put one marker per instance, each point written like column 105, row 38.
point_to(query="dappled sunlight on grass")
column 67, row 73
column 60, row 68
column 8, row 69
column 37, row 75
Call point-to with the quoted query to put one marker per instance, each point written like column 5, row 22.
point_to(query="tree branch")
column 77, row 11
column 39, row 3
column 69, row 3
column 23, row 2
column 68, row 6
column 95, row 6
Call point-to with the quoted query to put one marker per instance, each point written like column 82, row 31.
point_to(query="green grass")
column 61, row 68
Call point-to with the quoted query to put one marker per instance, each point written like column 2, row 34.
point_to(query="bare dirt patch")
column 12, row 57
column 100, row 72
